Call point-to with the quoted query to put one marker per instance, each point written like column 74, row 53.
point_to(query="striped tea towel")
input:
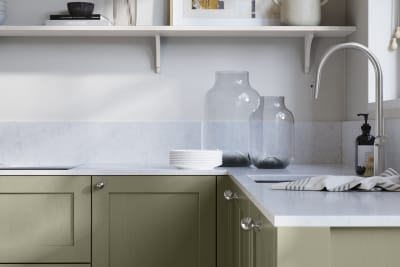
column 388, row 181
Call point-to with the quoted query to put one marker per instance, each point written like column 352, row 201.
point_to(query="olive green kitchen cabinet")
column 320, row 246
column 153, row 221
column 45, row 219
column 225, row 199
column 262, row 238
column 233, row 243
column 246, row 238
column 241, row 239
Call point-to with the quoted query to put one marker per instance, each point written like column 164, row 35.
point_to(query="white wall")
column 79, row 79
column 381, row 23
column 104, row 79
column 356, row 93
column 374, row 21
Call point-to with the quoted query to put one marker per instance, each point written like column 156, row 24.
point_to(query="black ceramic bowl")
column 80, row 9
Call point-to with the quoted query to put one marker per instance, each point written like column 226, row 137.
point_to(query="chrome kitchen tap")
column 379, row 132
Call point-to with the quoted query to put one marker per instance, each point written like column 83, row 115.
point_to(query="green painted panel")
column 303, row 247
column 365, row 247
column 241, row 238
column 45, row 219
column 154, row 221
column 23, row 212
column 166, row 223
column 263, row 241
column 225, row 245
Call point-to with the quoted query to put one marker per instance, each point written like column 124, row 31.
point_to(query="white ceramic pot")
column 300, row 12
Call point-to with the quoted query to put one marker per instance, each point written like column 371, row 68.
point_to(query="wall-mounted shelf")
column 157, row 32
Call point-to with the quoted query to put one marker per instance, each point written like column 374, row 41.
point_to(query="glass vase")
column 228, row 106
column 272, row 134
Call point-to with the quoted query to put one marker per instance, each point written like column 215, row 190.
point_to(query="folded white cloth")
column 388, row 181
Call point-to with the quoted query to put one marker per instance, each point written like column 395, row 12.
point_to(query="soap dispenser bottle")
column 364, row 148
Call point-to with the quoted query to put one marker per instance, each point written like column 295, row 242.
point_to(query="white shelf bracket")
column 308, row 39
column 158, row 53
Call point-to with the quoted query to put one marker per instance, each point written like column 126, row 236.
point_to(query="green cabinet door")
column 225, row 245
column 238, row 247
column 45, row 219
column 263, row 240
column 154, row 221
column 241, row 238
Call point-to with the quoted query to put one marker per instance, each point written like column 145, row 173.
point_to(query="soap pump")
column 364, row 148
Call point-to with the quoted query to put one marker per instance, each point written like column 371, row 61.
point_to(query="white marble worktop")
column 282, row 208
column 112, row 169
column 319, row 208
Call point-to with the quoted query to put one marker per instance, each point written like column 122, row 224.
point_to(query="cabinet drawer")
column 45, row 219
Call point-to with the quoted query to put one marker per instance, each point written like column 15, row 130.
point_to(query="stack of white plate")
column 3, row 11
column 195, row 159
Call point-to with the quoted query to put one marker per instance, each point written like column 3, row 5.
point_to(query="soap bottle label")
column 364, row 152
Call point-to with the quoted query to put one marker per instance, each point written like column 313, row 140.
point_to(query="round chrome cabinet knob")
column 229, row 195
column 248, row 224
column 100, row 185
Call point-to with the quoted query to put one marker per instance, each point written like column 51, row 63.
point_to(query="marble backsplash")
column 142, row 143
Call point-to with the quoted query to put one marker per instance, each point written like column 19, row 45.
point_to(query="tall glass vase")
column 228, row 106
column 272, row 134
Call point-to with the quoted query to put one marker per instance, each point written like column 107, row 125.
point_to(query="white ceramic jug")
column 300, row 12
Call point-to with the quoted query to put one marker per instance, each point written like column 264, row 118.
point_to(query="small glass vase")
column 228, row 106
column 272, row 134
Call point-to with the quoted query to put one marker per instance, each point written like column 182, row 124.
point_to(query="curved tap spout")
column 378, row 147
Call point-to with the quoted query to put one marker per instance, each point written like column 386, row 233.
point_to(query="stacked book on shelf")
column 69, row 20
